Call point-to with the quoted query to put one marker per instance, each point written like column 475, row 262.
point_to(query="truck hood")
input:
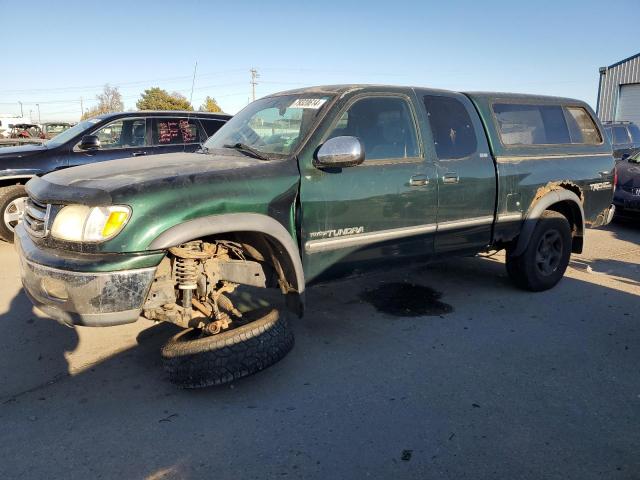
column 108, row 182
column 23, row 151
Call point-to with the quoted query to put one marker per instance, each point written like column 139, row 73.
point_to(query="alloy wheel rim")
column 13, row 212
column 549, row 252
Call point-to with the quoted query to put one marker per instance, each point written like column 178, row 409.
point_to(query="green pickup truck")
column 301, row 187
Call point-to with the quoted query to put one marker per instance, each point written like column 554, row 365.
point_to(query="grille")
column 36, row 218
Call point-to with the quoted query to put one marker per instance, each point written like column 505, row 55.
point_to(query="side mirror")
column 339, row 152
column 89, row 142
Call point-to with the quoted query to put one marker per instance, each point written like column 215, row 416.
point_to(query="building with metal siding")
column 619, row 91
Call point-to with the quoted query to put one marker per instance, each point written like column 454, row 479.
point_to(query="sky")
column 64, row 51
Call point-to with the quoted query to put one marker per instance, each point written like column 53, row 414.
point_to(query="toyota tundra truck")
column 301, row 187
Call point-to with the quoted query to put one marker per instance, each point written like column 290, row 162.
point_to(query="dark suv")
column 105, row 137
column 624, row 138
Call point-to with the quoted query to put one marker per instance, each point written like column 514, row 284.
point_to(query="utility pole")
column 38, row 105
column 21, row 112
column 254, row 81
column 81, row 109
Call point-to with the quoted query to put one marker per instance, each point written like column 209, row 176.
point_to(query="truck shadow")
column 477, row 372
column 33, row 349
column 616, row 265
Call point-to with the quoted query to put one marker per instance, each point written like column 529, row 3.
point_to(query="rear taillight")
column 615, row 177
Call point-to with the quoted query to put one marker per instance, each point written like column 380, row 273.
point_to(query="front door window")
column 123, row 133
column 384, row 125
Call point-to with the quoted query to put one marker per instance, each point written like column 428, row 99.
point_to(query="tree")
column 110, row 100
column 158, row 99
column 210, row 105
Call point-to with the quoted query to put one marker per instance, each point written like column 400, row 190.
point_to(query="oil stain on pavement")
column 406, row 300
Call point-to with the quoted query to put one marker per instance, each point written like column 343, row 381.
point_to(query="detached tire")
column 9, row 210
column 543, row 263
column 195, row 361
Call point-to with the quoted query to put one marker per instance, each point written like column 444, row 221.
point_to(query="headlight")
column 79, row 223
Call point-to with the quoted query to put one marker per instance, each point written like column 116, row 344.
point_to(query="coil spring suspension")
column 187, row 273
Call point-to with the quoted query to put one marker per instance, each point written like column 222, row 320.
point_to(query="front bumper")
column 85, row 298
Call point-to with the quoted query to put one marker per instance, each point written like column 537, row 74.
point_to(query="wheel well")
column 265, row 248
column 560, row 197
column 8, row 182
column 572, row 213
column 270, row 252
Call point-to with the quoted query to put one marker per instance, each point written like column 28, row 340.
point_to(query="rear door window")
column 176, row 131
column 581, row 127
column 384, row 125
column 451, row 127
column 524, row 124
column 620, row 135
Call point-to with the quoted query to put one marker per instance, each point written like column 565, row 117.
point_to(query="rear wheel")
column 12, row 204
column 544, row 261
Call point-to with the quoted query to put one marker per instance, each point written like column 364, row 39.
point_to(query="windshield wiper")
column 247, row 150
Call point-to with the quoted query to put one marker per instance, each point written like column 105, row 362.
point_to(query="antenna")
column 254, row 81
column 193, row 82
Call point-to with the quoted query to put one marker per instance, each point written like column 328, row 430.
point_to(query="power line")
column 117, row 84
column 75, row 100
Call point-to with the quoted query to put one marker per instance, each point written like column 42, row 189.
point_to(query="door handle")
column 451, row 177
column 138, row 154
column 418, row 180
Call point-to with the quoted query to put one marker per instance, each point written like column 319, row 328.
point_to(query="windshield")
column 272, row 126
column 56, row 127
column 67, row 135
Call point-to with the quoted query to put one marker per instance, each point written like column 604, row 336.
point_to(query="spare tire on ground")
column 194, row 360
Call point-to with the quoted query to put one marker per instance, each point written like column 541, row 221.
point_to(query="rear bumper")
column 611, row 212
column 85, row 298
column 625, row 200
column 604, row 217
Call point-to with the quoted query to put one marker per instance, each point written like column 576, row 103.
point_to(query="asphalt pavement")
column 443, row 371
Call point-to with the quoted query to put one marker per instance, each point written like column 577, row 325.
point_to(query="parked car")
column 627, row 193
column 26, row 130
column 624, row 138
column 51, row 129
column 21, row 134
column 7, row 122
column 105, row 137
column 302, row 187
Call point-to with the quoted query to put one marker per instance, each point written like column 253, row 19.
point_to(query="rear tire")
column 194, row 361
column 543, row 263
column 11, row 209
